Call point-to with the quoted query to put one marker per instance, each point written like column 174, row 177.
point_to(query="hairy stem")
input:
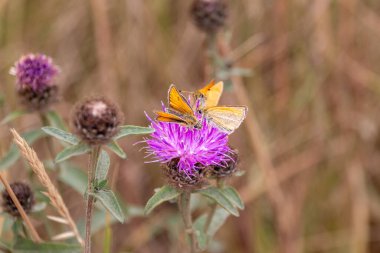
column 95, row 151
column 184, row 208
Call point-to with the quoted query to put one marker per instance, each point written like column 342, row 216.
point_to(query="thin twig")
column 246, row 47
column 256, row 135
column 20, row 209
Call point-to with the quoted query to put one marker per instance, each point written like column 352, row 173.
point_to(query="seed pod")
column 25, row 196
column 182, row 181
column 96, row 120
column 209, row 15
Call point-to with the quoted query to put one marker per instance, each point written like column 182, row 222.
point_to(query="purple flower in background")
column 36, row 71
column 192, row 149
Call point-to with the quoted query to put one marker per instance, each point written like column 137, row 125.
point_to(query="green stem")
column 213, row 52
column 95, row 151
column 184, row 208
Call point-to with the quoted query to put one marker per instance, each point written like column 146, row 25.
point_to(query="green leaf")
column 202, row 237
column 233, row 197
column 164, row 194
column 109, row 201
column 71, row 151
column 219, row 218
column 27, row 246
column 128, row 130
column 61, row 135
column 114, row 147
column 12, row 116
column 13, row 154
column 101, row 184
column 102, row 166
column 55, row 120
column 217, row 195
column 73, row 176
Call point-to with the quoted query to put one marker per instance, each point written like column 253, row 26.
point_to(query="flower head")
column 209, row 15
column 96, row 120
column 36, row 71
column 192, row 149
column 35, row 81
column 23, row 193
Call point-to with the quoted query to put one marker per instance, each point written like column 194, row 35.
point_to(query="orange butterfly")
column 179, row 110
column 226, row 118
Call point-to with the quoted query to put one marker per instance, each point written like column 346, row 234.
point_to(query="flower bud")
column 96, row 121
column 225, row 170
column 24, row 195
column 209, row 15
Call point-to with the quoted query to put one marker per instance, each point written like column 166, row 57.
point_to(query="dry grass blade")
column 58, row 219
column 63, row 236
column 53, row 194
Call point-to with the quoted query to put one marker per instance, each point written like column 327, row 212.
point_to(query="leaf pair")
column 80, row 148
column 228, row 198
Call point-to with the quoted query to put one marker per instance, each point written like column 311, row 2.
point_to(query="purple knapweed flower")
column 192, row 149
column 35, row 75
column 36, row 71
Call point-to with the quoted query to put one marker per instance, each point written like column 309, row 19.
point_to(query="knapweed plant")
column 192, row 146
column 37, row 91
column 97, row 124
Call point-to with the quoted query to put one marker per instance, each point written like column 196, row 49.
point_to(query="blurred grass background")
column 315, row 90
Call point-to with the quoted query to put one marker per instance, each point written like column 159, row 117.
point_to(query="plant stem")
column 184, row 208
column 95, row 151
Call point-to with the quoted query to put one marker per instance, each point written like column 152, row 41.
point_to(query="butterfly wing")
column 178, row 103
column 209, row 95
column 169, row 117
column 226, row 118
